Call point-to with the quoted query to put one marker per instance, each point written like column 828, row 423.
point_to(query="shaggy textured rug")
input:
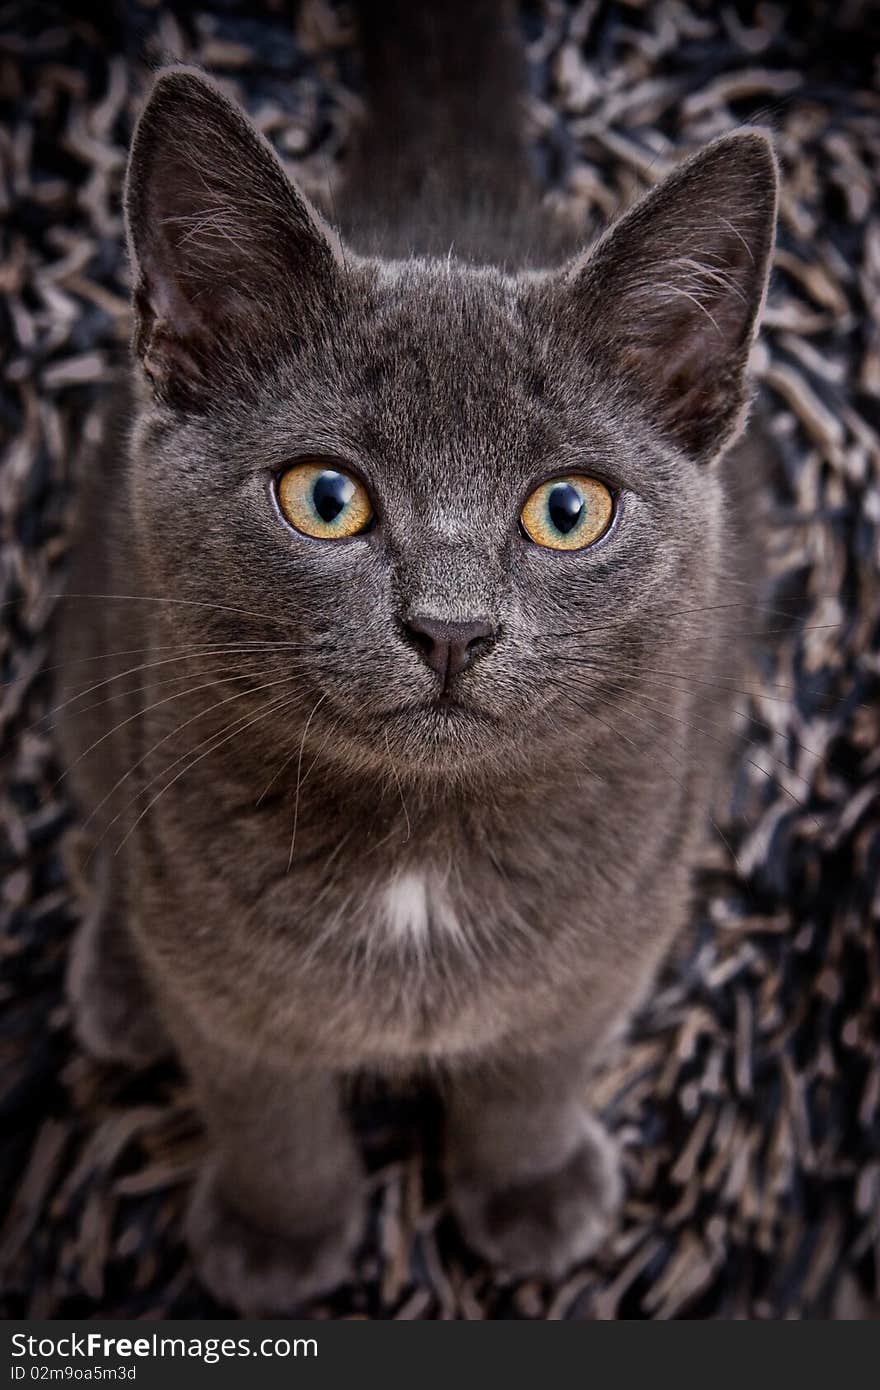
column 747, row 1099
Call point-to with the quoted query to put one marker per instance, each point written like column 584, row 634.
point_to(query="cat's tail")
column 443, row 135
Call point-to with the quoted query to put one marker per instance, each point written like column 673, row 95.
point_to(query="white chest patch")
column 415, row 902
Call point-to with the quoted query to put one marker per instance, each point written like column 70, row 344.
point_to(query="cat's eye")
column 326, row 503
column 568, row 513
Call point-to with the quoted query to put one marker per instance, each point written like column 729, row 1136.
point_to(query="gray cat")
column 423, row 548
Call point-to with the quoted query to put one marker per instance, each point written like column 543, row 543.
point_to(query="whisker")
column 273, row 706
column 333, row 726
column 120, row 675
column 166, row 699
column 703, row 608
column 200, row 714
column 209, row 738
column 715, row 685
column 233, row 673
column 274, row 778
column 329, row 881
column 302, row 745
column 62, row 596
column 206, row 649
column 617, row 734
column 278, row 771
column 722, row 743
column 399, row 788
column 757, row 694
column 686, row 761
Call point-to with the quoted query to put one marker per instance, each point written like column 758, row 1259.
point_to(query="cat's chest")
column 413, row 904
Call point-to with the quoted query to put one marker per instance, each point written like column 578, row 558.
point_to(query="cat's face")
column 437, row 400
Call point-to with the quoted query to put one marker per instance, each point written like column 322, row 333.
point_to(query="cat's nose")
column 449, row 647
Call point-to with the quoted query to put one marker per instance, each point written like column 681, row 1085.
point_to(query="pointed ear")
column 231, row 261
column 671, row 296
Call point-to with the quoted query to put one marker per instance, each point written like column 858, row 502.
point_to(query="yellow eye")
column 568, row 513
column 324, row 502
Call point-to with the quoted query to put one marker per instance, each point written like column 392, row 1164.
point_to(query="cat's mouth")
column 446, row 707
column 431, row 733
column 439, row 719
column 440, row 735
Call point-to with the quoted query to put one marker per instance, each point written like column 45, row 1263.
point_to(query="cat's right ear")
column 669, row 299
column 231, row 262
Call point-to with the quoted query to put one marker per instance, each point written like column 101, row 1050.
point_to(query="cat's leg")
column 534, row 1177
column 278, row 1210
column 113, row 1013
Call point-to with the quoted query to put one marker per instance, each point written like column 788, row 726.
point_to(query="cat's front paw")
column 544, row 1225
column 260, row 1272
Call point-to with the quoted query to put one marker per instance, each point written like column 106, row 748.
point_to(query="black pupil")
column 564, row 507
column 331, row 494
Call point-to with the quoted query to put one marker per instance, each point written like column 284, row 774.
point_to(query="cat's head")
column 470, row 501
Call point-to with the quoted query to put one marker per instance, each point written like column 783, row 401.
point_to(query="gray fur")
column 480, row 894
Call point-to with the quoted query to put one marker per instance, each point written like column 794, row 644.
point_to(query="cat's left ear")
column 231, row 262
column 670, row 299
